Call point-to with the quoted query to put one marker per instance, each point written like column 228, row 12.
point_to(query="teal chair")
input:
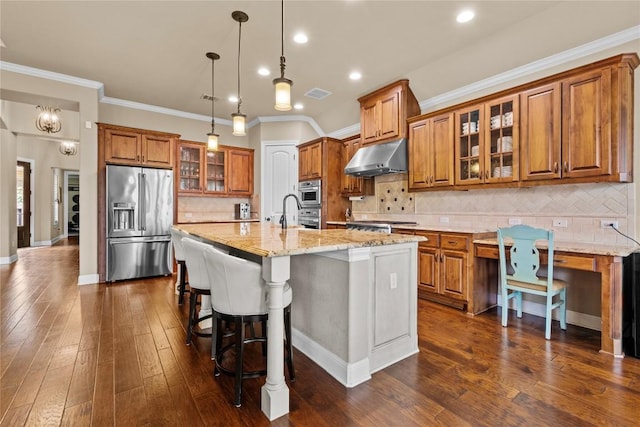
column 524, row 260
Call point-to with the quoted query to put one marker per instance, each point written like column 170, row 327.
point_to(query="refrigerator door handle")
column 141, row 203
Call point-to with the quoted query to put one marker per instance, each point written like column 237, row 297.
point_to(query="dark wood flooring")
column 115, row 355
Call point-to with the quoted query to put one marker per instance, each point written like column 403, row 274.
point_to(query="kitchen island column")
column 275, row 393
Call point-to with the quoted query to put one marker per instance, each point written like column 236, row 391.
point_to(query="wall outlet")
column 393, row 280
column 444, row 219
column 607, row 223
column 560, row 223
column 188, row 215
column 515, row 221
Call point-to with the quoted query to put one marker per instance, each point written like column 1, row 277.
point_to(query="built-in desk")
column 606, row 260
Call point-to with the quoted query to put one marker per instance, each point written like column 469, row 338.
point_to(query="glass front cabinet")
column 486, row 142
column 190, row 160
column 200, row 170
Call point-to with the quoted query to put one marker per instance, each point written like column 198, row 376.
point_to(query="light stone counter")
column 577, row 247
column 354, row 308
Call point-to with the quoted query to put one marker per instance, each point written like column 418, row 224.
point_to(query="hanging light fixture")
column 282, row 84
column 239, row 119
column 68, row 148
column 212, row 141
column 48, row 120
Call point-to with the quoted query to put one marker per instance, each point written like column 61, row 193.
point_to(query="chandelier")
column 68, row 148
column 48, row 120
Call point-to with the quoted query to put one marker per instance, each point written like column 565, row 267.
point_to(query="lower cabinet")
column 446, row 270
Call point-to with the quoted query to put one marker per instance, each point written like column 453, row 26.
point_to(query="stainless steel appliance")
column 378, row 225
column 139, row 216
column 242, row 211
column 310, row 193
column 379, row 159
column 310, row 217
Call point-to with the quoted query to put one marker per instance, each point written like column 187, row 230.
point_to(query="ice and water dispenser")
column 123, row 216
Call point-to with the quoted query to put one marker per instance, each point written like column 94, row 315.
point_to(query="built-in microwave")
column 310, row 193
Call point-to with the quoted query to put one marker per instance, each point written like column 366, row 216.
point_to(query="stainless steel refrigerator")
column 139, row 217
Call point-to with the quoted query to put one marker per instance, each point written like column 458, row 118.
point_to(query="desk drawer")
column 433, row 239
column 452, row 241
column 576, row 262
column 487, row 252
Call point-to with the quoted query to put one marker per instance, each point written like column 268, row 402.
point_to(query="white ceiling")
column 153, row 52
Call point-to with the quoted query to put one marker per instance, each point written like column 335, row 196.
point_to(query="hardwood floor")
column 115, row 355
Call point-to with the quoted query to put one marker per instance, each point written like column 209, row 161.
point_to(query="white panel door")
column 280, row 178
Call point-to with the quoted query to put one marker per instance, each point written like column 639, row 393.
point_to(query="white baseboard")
column 48, row 242
column 349, row 374
column 9, row 260
column 88, row 279
column 573, row 317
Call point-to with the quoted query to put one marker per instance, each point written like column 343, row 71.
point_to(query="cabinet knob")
column 555, row 167
column 566, row 166
column 486, row 174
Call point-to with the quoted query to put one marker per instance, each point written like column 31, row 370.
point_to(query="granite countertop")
column 440, row 227
column 578, row 247
column 269, row 240
column 217, row 221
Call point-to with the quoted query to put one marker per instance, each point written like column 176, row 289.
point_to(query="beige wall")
column 87, row 99
column 8, row 231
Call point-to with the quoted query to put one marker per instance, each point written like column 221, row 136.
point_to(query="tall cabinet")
column 322, row 159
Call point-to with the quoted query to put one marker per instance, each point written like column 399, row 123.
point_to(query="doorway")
column 71, row 203
column 23, row 203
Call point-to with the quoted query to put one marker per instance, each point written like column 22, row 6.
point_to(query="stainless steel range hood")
column 379, row 159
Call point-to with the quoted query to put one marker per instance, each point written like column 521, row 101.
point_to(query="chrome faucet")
column 283, row 218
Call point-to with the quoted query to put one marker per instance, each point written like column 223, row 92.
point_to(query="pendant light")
column 239, row 119
column 282, row 84
column 212, row 141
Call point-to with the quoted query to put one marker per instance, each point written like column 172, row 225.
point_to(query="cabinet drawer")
column 487, row 252
column 576, row 262
column 451, row 241
column 433, row 239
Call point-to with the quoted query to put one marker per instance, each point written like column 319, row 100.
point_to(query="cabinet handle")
column 555, row 167
column 452, row 243
column 566, row 166
column 486, row 174
column 432, row 179
column 138, row 157
column 441, row 258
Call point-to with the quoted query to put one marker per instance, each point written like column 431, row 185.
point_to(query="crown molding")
column 296, row 118
column 345, row 131
column 162, row 110
column 578, row 52
column 50, row 75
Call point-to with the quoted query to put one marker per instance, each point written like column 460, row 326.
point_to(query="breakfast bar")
column 354, row 297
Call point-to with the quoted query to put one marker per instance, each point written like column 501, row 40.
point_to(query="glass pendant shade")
column 212, row 142
column 239, row 126
column 283, row 94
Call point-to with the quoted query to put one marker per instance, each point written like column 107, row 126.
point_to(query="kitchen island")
column 354, row 307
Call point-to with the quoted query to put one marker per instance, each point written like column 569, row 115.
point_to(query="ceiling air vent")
column 317, row 93
column 208, row 97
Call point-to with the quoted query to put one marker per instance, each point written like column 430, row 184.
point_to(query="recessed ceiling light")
column 233, row 98
column 300, row 38
column 355, row 75
column 264, row 71
column 298, row 106
column 465, row 16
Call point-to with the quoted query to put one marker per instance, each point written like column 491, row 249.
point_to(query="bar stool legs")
column 182, row 281
column 193, row 319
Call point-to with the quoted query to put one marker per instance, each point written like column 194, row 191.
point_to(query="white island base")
column 354, row 311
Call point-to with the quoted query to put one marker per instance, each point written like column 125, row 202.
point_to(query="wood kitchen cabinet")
column 354, row 185
column 579, row 127
column 430, row 149
column 384, row 113
column 446, row 269
column 322, row 159
column 136, row 147
column 225, row 172
column 310, row 161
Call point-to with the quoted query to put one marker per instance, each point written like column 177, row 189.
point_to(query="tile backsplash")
column 580, row 206
column 202, row 209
